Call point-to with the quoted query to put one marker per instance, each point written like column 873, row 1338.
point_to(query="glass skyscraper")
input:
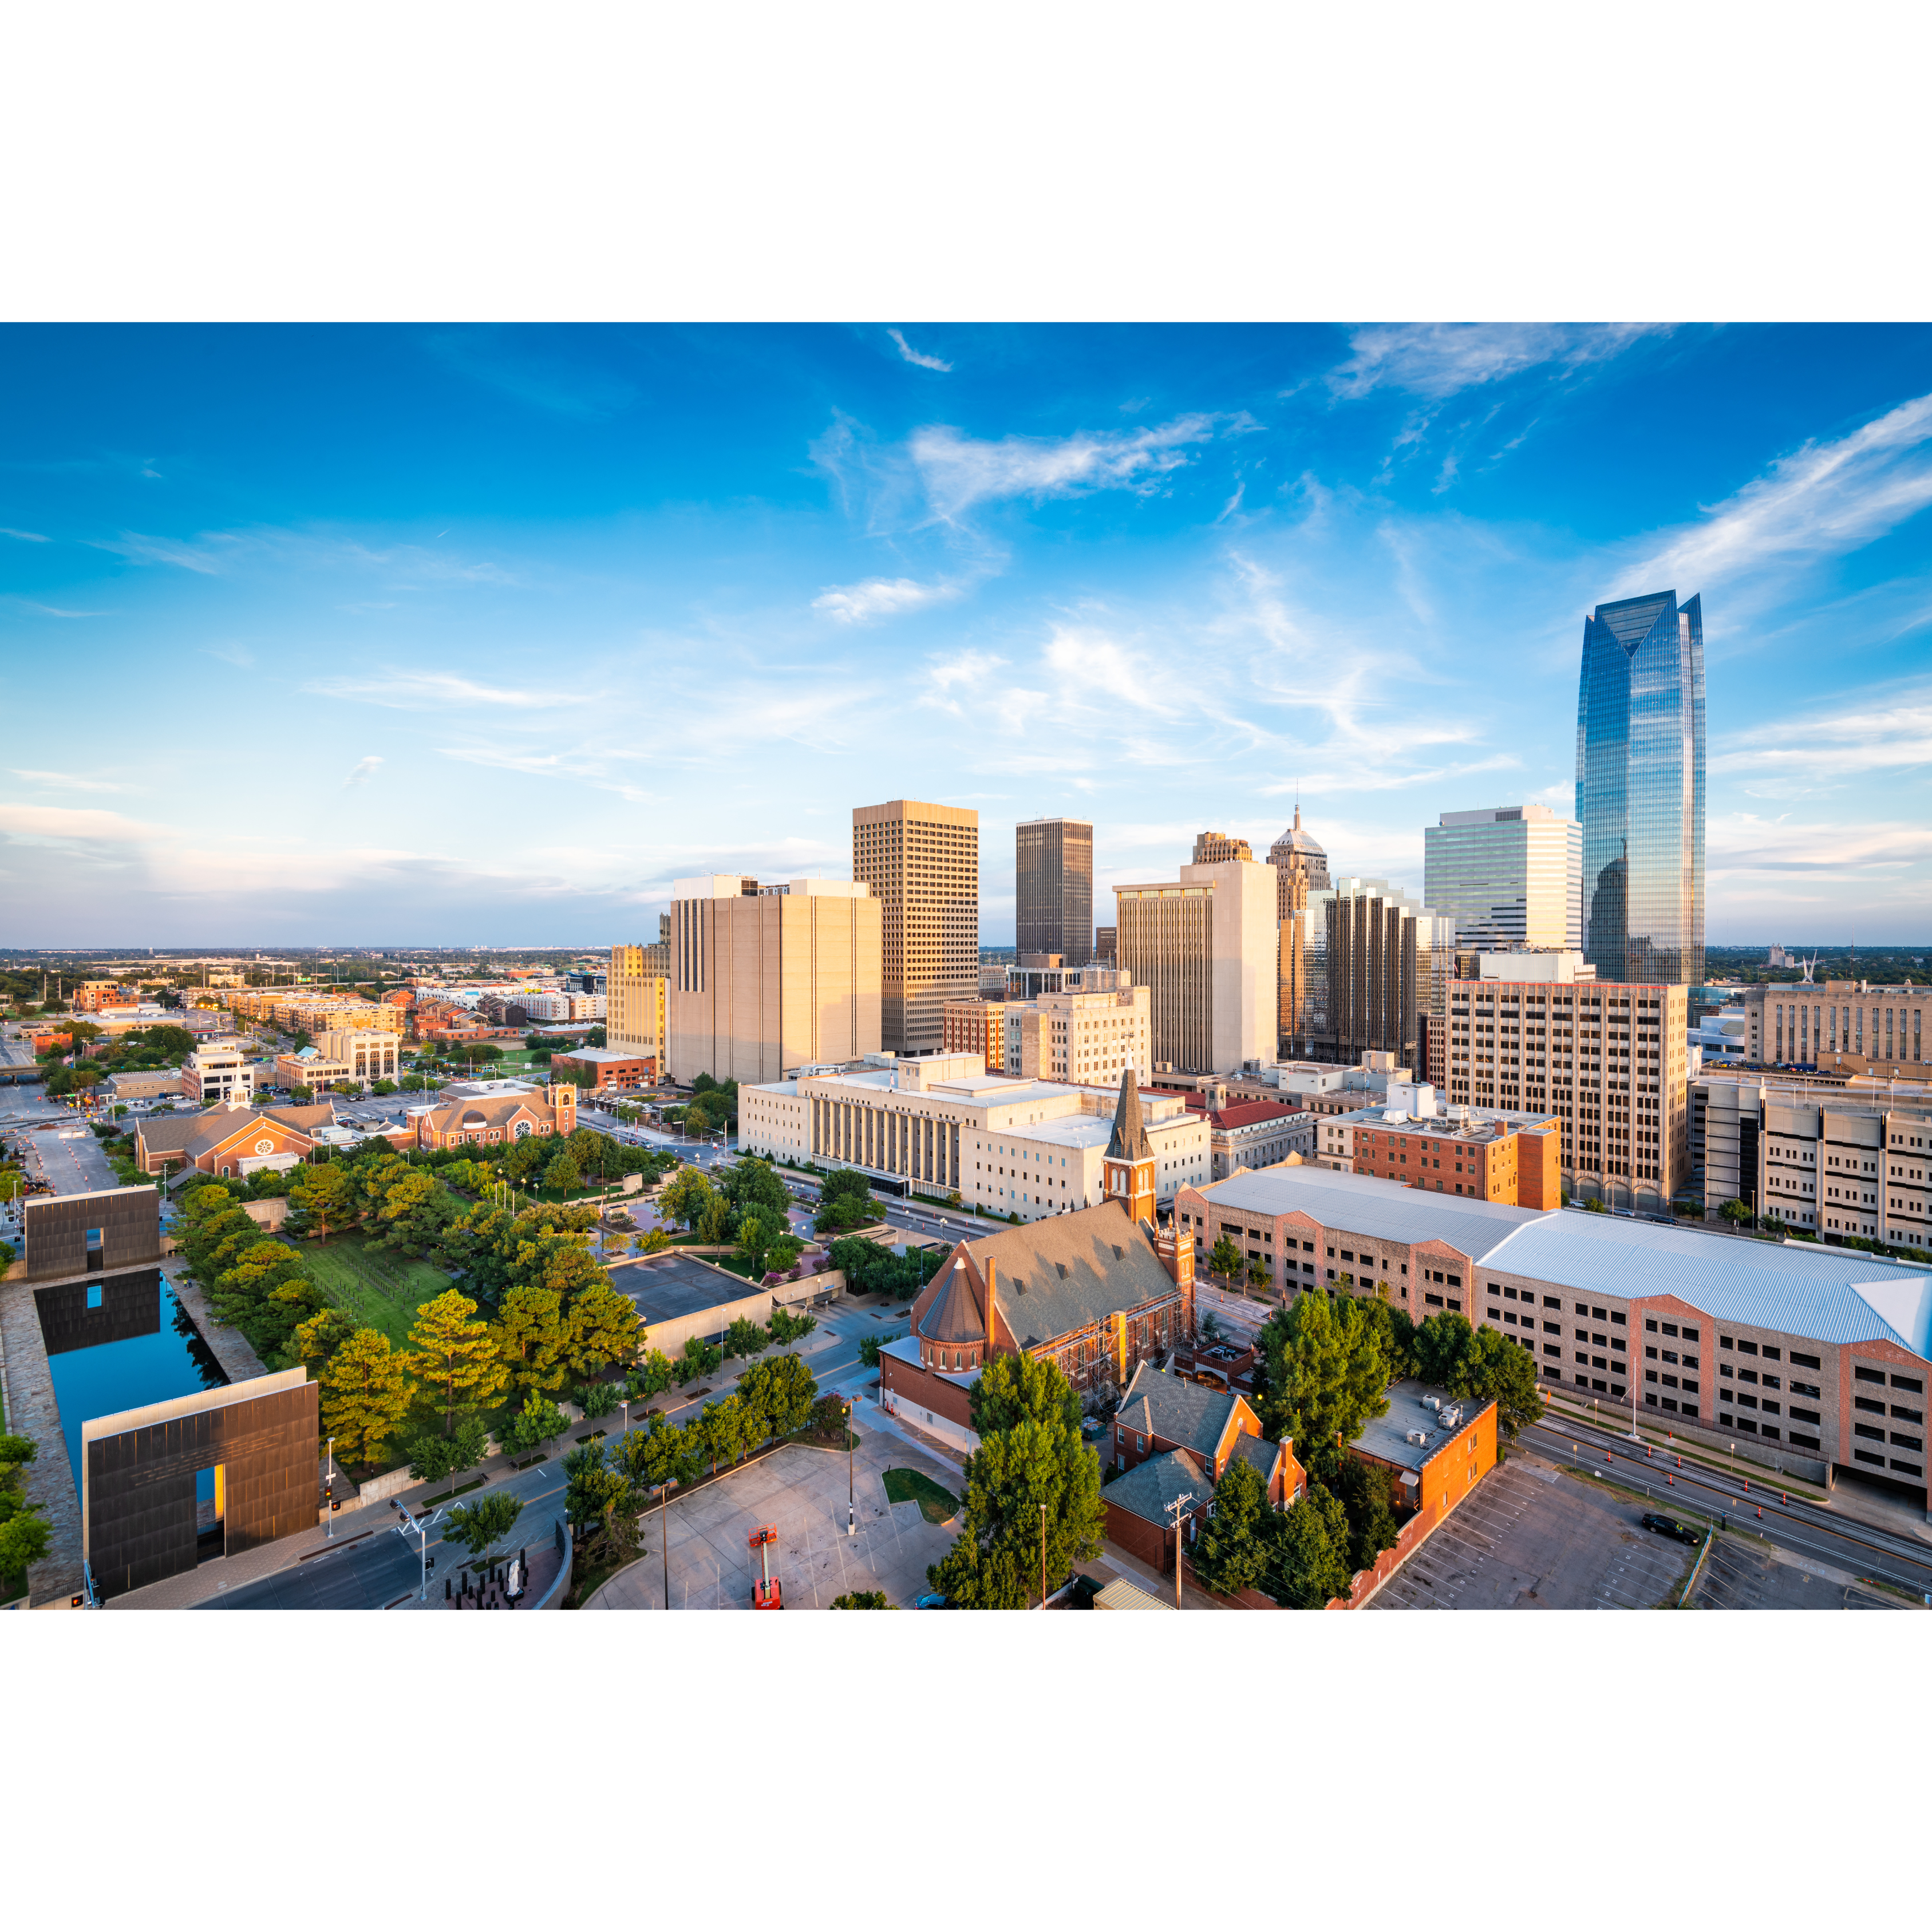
column 1640, row 789
column 1053, row 878
column 1511, row 875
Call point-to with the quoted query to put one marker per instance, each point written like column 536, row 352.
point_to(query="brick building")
column 1438, row 1448
column 231, row 1139
column 484, row 1120
column 592, row 1068
column 1516, row 1158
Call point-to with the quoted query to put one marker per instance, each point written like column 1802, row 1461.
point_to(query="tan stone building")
column 1217, row 848
column 1607, row 1059
column 922, row 863
column 637, row 1002
column 1207, row 948
column 769, row 978
column 1300, row 867
column 1845, row 1026
column 1083, row 1038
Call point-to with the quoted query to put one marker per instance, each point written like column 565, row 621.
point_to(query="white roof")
column 1365, row 1205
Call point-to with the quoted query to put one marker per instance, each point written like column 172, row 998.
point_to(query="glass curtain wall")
column 1640, row 789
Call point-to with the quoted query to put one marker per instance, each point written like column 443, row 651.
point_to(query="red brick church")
column 1098, row 1292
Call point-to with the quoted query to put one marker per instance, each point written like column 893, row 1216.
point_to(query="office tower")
column 1205, row 947
column 1106, row 945
column 922, row 863
column 657, row 959
column 636, row 1008
column 1300, row 867
column 1640, row 790
column 769, row 978
column 1053, row 879
column 1510, row 876
column 1376, row 963
column 1608, row 1058
column 1216, row 848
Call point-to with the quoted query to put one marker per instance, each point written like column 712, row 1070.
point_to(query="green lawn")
column 908, row 1485
column 376, row 1289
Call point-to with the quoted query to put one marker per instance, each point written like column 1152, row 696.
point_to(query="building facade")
column 636, row 995
column 1053, row 888
column 485, row 1120
column 1640, row 790
column 1372, row 962
column 1509, row 876
column 940, row 1125
column 1514, row 1158
column 217, row 1072
column 1607, row 1060
column 1256, row 1133
column 769, row 978
column 922, row 861
column 1207, row 948
column 607, row 1069
column 1301, row 868
column 1842, row 1026
column 1216, row 848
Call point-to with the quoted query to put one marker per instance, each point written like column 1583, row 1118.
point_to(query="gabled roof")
column 1054, row 1276
column 1177, row 1411
column 1146, row 1490
column 1258, row 1450
column 488, row 1112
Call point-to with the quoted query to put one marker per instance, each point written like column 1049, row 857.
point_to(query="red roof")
column 1250, row 1113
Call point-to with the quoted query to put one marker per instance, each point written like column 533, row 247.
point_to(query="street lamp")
column 419, row 1527
column 851, row 1492
column 328, row 1490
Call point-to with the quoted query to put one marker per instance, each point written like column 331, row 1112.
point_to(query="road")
column 1747, row 1499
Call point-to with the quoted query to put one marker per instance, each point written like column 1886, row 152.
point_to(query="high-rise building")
column 1300, row 867
column 637, row 1001
column 1216, row 848
column 1106, row 945
column 922, row 863
column 1205, row 947
column 1608, row 1059
column 1053, row 882
column 1374, row 963
column 769, row 978
column 1509, row 876
column 1640, row 790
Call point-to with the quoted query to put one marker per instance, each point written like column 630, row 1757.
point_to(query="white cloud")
column 70, row 781
column 1437, row 360
column 1813, row 750
column 415, row 691
column 912, row 355
column 957, row 472
column 954, row 683
column 137, row 548
column 25, row 536
column 1743, row 842
column 881, row 597
column 361, row 772
column 59, row 821
column 1824, row 499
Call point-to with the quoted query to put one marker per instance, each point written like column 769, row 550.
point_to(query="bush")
column 786, row 1327
column 434, row 1456
column 861, row 1600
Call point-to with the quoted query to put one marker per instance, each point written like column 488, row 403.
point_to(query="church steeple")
column 1129, row 1160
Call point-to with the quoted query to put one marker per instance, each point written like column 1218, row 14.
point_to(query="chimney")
column 991, row 1271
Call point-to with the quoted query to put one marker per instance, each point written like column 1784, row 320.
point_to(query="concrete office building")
column 769, row 978
column 922, row 861
column 1607, row 1060
column 1796, row 1348
column 1830, row 1160
column 1216, row 848
column 1509, row 876
column 1053, row 888
column 1106, row 945
column 1373, row 961
column 637, row 994
column 940, row 1124
column 1083, row 1038
column 219, row 1071
column 1640, row 790
column 1207, row 948
column 1844, row 1026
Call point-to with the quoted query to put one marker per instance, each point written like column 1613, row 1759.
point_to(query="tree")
column 533, row 1336
column 653, row 1243
column 1367, row 1492
column 659, row 1453
column 751, row 1183
column 603, row 1327
column 456, row 1357
column 1308, row 1553
column 366, row 1392
column 845, row 1201
column 315, row 1342
column 539, row 1421
column 1474, row 1364
column 725, row 1431
column 267, row 1293
column 1325, row 1373
column 326, row 1197
column 1030, row 1454
column 861, row 1599
column 23, row 1535
column 562, row 1175
column 685, row 1197
column 778, row 1395
column 433, row 1456
column 1232, row 1548
column 753, row 1240
column 478, row 1527
column 745, row 1337
column 301, row 1096
column 602, row 1505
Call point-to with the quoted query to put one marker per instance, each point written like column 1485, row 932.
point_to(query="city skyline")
column 469, row 645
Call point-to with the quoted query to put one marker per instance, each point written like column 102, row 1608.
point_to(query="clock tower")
column 1129, row 1161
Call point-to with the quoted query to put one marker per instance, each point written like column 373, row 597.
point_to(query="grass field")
column 376, row 1288
column 908, row 1485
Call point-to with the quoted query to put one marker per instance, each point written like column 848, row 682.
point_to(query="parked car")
column 933, row 1600
column 1668, row 1526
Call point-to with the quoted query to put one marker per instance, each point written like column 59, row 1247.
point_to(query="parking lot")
column 1537, row 1537
column 1743, row 1574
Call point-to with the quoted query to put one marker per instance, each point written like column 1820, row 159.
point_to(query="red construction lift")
column 767, row 1593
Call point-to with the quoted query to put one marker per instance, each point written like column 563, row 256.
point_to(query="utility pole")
column 1042, row 1556
column 1177, row 1510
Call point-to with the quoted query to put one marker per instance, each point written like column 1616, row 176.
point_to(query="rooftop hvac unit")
column 1434, row 1402
column 1418, row 1435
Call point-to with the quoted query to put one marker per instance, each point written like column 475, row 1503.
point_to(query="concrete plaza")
column 801, row 1493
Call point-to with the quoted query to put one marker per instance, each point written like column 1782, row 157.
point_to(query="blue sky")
column 461, row 635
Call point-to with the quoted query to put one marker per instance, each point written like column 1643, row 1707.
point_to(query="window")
column 1746, row 1348
column 1864, row 1375
column 1552, row 1327
column 1552, row 1301
column 1798, row 1361
column 1902, row 1442
column 1869, row 1434
column 1551, row 1349
column 1899, row 1413
column 1651, row 1328
column 1911, row 1384
column 94, row 1290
